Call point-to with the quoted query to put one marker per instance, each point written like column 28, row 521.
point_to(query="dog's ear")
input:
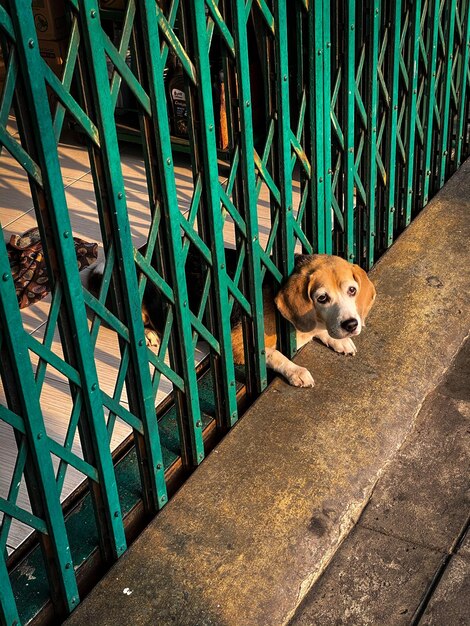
column 294, row 303
column 366, row 295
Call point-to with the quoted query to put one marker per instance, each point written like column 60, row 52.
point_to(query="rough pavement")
column 250, row 532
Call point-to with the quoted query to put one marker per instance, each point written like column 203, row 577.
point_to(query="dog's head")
column 328, row 292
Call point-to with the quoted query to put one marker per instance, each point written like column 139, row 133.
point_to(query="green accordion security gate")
column 361, row 104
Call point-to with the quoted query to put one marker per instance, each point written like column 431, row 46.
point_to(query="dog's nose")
column 349, row 325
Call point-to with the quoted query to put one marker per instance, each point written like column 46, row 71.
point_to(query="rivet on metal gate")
column 445, row 153
column 141, row 342
column 39, row 436
column 232, row 383
column 330, row 171
column 351, row 150
column 185, row 303
column 415, row 91
column 320, row 180
column 255, row 238
column 66, row 234
column 94, row 387
column 116, row 513
column 285, row 77
column 234, row 415
column 289, row 208
column 31, row 43
column 372, row 234
column 199, row 423
column 168, row 161
column 73, row 600
column 201, row 456
column 374, row 130
column 211, row 127
column 68, row 565
column 263, row 352
column 328, row 44
column 376, row 11
column 163, row 499
column 119, row 196
column 351, row 256
column 93, row 13
column 410, row 191
column 6, row 276
column 319, row 52
column 392, row 209
column 222, row 266
column 159, row 466
column 247, row 103
column 428, row 173
column 396, row 107
column 352, row 26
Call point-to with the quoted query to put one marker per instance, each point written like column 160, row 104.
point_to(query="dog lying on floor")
column 325, row 297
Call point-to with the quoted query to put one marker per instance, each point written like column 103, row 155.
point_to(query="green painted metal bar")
column 396, row 8
column 126, row 74
column 284, row 251
column 412, row 97
column 69, row 71
column 227, row 397
column 256, row 365
column 176, row 46
column 348, row 70
column 56, row 234
column 267, row 15
column 72, row 459
column 20, row 155
column 126, row 33
column 310, row 218
column 373, row 89
column 430, row 98
column 444, row 136
column 8, row 611
column 15, row 483
column 25, row 517
column 317, row 120
column 224, row 31
column 20, row 390
column 326, row 106
column 463, row 86
column 139, row 385
column 8, row 88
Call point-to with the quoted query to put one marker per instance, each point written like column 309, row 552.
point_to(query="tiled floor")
column 17, row 216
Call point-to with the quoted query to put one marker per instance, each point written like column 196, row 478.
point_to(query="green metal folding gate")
column 362, row 104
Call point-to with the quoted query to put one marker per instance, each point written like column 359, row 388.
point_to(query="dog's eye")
column 323, row 298
column 352, row 291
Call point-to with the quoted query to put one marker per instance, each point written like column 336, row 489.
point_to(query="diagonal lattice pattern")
column 311, row 127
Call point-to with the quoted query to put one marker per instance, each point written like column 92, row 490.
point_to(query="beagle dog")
column 325, row 297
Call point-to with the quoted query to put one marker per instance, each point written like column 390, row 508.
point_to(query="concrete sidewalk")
column 249, row 534
column 407, row 561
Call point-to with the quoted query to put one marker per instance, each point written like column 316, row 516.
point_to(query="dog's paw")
column 300, row 377
column 152, row 338
column 343, row 346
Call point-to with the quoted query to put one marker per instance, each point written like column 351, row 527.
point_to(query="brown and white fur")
column 325, row 298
